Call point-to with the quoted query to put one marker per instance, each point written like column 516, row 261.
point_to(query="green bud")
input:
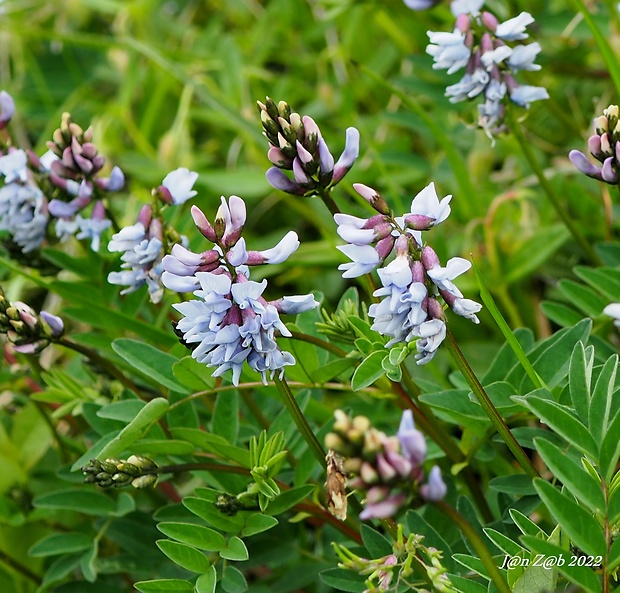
column 272, row 108
column 284, row 110
column 145, row 481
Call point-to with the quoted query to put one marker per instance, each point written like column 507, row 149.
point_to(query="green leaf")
column 206, row 582
column 88, row 560
column 288, row 499
column 194, row 535
column 124, row 411
column 151, row 447
column 604, row 280
column 610, row 449
column 561, row 314
column 503, row 542
column 582, row 576
column 584, row 298
column 473, row 564
column 89, row 501
column 257, row 523
column 165, row 586
column 369, row 370
column 152, row 363
column 235, row 550
column 192, row 374
column 376, row 544
column 225, row 420
column 599, row 414
column 536, row 579
column 463, row 585
column 185, row 556
column 341, row 579
column 233, row 580
column 578, row 523
column 61, row 543
column 614, row 557
column 332, row 369
column 525, row 524
column 576, row 479
column 539, row 247
column 58, row 570
column 213, row 443
column 562, row 421
column 579, row 379
column 206, row 510
column 517, row 484
column 456, row 405
column 500, row 393
column 149, row 414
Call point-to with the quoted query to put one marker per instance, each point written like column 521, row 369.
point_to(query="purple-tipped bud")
column 299, row 173
column 430, row 259
column 419, row 222
column 368, row 473
column 608, row 172
column 312, row 133
column 56, row 325
column 386, row 471
column 489, row 21
column 594, row 146
column 436, row 488
column 325, row 157
column 401, row 465
column 463, row 22
column 412, row 441
column 417, row 272
column 434, row 308
column 277, row 157
column 349, row 156
column 202, row 224
column 372, row 197
column 279, row 180
column 605, row 145
column 384, row 247
column 304, row 156
column 582, row 163
column 7, row 109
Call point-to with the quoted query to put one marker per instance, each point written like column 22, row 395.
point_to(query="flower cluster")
column 604, row 146
column 298, row 146
column 23, row 327
column 23, row 206
column 68, row 170
column 72, row 164
column 140, row 472
column 143, row 243
column 388, row 469
column 480, row 44
column 414, row 279
column 231, row 322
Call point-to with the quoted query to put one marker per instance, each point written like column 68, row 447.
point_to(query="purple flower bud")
column 299, row 173
column 202, row 224
column 436, row 488
column 276, row 156
column 489, row 21
column 594, row 145
column 412, row 441
column 386, row 471
column 279, row 180
column 61, row 209
column 115, row 182
column 325, row 157
column 349, row 155
column 7, row 109
column 56, row 325
column 608, row 172
column 401, row 465
column 379, row 504
column 304, row 156
column 582, row 163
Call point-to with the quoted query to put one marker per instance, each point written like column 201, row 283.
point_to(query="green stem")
column 318, row 342
column 300, row 420
column 483, row 552
column 102, row 362
column 325, row 195
column 560, row 208
column 490, row 410
column 19, row 568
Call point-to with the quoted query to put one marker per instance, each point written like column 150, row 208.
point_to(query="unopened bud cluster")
column 388, row 469
column 298, row 146
column 604, row 146
column 29, row 332
column 139, row 472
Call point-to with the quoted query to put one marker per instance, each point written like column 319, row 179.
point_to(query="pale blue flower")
column 364, row 259
column 13, row 166
column 179, row 184
column 449, row 50
column 514, row 29
column 523, row 95
column 466, row 7
column 523, row 56
column 436, row 488
column 23, row 214
column 430, row 335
